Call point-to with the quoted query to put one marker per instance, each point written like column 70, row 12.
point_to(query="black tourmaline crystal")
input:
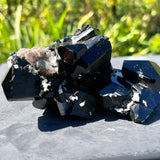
column 146, row 73
column 20, row 84
column 75, row 73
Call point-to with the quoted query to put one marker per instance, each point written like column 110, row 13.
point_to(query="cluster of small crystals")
column 41, row 58
column 30, row 54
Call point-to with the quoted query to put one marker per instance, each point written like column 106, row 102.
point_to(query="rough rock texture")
column 40, row 58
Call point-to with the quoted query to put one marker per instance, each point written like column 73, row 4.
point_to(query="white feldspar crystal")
column 45, row 85
column 136, row 97
column 73, row 98
column 16, row 66
column 10, row 61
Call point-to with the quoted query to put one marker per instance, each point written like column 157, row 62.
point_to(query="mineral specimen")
column 76, row 74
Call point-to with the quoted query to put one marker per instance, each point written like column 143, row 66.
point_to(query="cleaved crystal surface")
column 75, row 75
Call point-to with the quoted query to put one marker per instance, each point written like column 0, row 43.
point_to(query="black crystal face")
column 113, row 95
column 74, row 75
column 21, row 85
column 149, row 100
column 146, row 73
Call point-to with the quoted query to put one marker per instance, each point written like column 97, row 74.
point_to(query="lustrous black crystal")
column 21, row 85
column 149, row 100
column 146, row 73
column 75, row 76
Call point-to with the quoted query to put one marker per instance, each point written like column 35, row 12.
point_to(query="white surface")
column 27, row 134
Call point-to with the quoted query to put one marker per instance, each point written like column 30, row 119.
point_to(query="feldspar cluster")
column 75, row 75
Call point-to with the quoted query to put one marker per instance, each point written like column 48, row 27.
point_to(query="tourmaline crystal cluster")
column 75, row 75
